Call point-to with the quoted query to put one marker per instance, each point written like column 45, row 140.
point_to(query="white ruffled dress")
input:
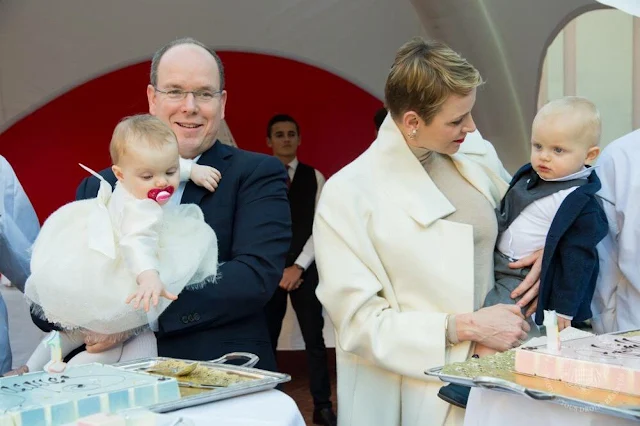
column 88, row 254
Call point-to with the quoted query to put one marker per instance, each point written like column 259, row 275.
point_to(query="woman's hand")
column 96, row 342
column 530, row 286
column 500, row 327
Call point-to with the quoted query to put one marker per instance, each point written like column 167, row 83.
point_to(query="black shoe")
column 324, row 416
column 455, row 394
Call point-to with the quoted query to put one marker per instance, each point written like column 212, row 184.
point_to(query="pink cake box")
column 609, row 361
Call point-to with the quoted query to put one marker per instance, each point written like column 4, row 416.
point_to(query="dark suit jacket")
column 250, row 214
column 570, row 260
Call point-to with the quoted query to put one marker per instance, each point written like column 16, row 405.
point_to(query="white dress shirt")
column 617, row 295
column 307, row 256
column 528, row 232
column 185, row 173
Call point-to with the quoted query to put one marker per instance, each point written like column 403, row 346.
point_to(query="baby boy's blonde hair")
column 139, row 129
column 575, row 111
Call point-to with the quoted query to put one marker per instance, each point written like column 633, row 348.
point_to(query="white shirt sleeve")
column 185, row 169
column 141, row 222
column 307, row 256
column 19, row 227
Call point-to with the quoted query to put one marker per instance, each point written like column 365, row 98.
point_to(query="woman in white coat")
column 404, row 239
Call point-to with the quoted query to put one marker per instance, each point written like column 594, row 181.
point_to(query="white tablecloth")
column 488, row 407
column 268, row 408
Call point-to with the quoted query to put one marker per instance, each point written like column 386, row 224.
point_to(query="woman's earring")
column 413, row 133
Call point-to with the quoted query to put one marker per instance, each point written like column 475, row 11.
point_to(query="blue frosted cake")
column 43, row 399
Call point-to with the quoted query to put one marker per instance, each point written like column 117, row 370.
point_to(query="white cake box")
column 608, row 361
column 43, row 399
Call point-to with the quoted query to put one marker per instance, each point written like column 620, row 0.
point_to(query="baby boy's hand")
column 150, row 288
column 563, row 323
column 205, row 176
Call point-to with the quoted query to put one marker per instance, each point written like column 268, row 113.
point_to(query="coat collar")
column 218, row 156
column 403, row 179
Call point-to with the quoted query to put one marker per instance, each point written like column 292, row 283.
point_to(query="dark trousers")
column 506, row 280
column 309, row 312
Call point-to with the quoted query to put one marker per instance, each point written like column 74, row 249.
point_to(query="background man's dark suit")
column 250, row 214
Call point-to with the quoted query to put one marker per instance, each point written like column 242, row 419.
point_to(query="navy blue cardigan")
column 570, row 261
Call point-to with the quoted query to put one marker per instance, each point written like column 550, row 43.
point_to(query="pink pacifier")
column 160, row 195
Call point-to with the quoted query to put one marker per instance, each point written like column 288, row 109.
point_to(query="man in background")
column 300, row 276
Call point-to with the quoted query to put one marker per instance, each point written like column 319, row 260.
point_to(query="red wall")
column 335, row 117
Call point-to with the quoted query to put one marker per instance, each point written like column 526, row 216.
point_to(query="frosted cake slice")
column 609, row 361
column 43, row 399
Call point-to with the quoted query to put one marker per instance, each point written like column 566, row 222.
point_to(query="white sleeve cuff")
column 304, row 260
column 185, row 169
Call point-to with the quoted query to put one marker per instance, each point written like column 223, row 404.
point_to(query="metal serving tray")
column 196, row 395
column 555, row 391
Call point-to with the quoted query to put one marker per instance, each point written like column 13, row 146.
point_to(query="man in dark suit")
column 249, row 212
column 300, row 276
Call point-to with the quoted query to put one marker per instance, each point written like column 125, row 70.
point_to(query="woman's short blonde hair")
column 139, row 129
column 423, row 75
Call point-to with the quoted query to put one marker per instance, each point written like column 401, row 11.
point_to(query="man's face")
column 284, row 139
column 188, row 67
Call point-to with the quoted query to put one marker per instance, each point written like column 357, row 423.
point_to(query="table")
column 488, row 407
column 267, row 408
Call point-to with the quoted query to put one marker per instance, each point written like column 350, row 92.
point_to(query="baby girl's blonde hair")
column 139, row 129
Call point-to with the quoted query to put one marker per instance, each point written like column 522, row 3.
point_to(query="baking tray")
column 191, row 396
column 581, row 398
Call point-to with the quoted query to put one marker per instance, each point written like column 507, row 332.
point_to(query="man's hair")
column 577, row 111
column 139, row 129
column 281, row 118
column 423, row 75
column 155, row 62
column 379, row 117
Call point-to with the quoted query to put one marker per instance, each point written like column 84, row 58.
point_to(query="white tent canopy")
column 48, row 47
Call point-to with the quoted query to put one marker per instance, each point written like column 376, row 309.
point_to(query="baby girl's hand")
column 205, row 176
column 149, row 288
column 563, row 323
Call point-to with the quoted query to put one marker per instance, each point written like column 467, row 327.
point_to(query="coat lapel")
column 218, row 156
column 482, row 177
column 404, row 180
column 401, row 176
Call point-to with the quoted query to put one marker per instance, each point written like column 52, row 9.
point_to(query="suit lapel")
column 218, row 156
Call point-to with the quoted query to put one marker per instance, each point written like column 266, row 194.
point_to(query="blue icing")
column 118, row 400
column 76, row 393
column 144, row 395
column 89, row 406
column 63, row 413
column 168, row 390
column 33, row 417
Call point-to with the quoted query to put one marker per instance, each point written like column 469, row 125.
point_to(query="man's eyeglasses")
column 199, row 95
